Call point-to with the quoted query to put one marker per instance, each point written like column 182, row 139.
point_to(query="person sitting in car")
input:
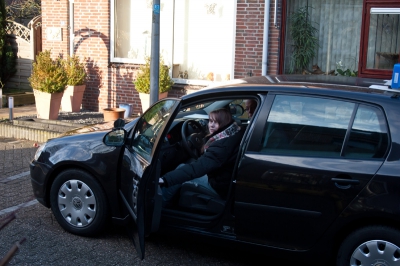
column 213, row 169
column 250, row 105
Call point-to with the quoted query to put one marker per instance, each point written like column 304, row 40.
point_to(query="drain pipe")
column 266, row 39
column 71, row 27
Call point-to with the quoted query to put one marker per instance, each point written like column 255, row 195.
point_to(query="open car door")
column 140, row 170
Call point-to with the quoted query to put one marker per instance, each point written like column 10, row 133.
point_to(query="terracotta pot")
column 145, row 99
column 112, row 114
column 47, row 104
column 72, row 99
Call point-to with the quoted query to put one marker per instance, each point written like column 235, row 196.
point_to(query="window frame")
column 363, row 71
column 170, row 58
column 256, row 145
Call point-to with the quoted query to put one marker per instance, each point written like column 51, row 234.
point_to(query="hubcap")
column 77, row 203
column 376, row 253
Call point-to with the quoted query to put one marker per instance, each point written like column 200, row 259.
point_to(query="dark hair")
column 222, row 116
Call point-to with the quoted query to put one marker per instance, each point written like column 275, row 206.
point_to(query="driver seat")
column 197, row 198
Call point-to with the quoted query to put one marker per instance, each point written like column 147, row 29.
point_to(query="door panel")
column 296, row 177
column 140, row 170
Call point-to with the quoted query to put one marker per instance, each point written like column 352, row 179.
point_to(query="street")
column 48, row 244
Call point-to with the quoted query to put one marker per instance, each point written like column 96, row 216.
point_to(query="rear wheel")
column 78, row 202
column 372, row 246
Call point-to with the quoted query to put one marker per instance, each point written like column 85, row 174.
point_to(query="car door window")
column 368, row 136
column 306, row 126
column 149, row 127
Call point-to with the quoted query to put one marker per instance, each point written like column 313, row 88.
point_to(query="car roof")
column 318, row 84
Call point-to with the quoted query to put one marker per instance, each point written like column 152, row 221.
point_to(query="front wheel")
column 78, row 203
column 373, row 245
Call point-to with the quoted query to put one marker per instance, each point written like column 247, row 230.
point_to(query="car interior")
column 182, row 146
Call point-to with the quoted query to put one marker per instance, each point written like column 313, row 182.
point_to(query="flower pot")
column 47, row 104
column 112, row 114
column 145, row 99
column 72, row 99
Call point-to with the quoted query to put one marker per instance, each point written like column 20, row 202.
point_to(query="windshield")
column 149, row 127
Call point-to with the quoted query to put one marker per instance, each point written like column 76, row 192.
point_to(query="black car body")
column 317, row 175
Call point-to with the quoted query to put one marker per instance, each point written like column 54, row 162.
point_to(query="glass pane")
column 338, row 25
column 306, row 126
column 203, row 39
column 368, row 137
column 132, row 29
column 383, row 41
column 121, row 28
column 149, row 127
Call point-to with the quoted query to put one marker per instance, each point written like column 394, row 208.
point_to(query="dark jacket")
column 217, row 162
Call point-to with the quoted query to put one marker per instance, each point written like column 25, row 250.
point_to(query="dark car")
column 317, row 176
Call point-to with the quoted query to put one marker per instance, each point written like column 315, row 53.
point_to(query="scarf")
column 229, row 131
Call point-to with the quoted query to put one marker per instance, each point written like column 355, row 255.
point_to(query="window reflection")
column 149, row 127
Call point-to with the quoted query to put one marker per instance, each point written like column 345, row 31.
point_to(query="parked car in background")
column 317, row 176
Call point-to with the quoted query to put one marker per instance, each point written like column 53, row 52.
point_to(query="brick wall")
column 108, row 84
column 250, row 38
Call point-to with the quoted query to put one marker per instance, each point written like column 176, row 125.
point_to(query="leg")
column 203, row 181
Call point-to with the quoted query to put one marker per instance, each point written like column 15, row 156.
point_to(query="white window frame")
column 114, row 59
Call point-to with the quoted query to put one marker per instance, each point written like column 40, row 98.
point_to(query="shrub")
column 48, row 75
column 142, row 82
column 75, row 70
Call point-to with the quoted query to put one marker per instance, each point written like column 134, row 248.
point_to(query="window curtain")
column 339, row 28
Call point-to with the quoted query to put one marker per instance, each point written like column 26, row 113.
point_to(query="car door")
column 307, row 159
column 140, row 170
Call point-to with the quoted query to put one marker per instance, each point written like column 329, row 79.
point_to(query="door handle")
column 344, row 183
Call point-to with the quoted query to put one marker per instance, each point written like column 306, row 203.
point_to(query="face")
column 213, row 125
column 249, row 108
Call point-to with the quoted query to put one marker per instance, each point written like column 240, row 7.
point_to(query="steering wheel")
column 194, row 142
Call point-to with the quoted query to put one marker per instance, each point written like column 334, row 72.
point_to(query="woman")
column 213, row 169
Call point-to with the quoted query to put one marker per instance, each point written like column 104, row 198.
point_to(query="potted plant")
column 48, row 80
column 76, row 77
column 305, row 44
column 142, row 82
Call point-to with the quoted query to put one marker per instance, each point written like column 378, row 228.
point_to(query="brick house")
column 216, row 38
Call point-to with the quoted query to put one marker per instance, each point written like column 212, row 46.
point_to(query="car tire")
column 78, row 202
column 372, row 245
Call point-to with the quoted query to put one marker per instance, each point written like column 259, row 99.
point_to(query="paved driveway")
column 48, row 244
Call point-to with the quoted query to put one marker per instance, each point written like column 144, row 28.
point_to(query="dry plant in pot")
column 48, row 80
column 76, row 78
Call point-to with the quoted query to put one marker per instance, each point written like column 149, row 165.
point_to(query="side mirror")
column 119, row 123
column 236, row 110
column 115, row 138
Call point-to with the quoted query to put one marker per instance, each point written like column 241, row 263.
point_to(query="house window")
column 338, row 25
column 196, row 37
column 380, row 47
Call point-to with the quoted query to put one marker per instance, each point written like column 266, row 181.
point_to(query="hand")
column 161, row 182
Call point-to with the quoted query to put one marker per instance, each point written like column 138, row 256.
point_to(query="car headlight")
column 39, row 151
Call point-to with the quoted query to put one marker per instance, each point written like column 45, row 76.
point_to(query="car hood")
column 83, row 146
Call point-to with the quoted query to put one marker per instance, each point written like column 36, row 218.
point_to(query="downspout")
column 71, row 27
column 266, row 39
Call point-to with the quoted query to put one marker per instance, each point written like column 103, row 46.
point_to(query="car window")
column 306, row 126
column 368, row 136
column 310, row 126
column 149, row 127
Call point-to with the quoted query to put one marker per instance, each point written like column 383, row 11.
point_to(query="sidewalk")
column 26, row 110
